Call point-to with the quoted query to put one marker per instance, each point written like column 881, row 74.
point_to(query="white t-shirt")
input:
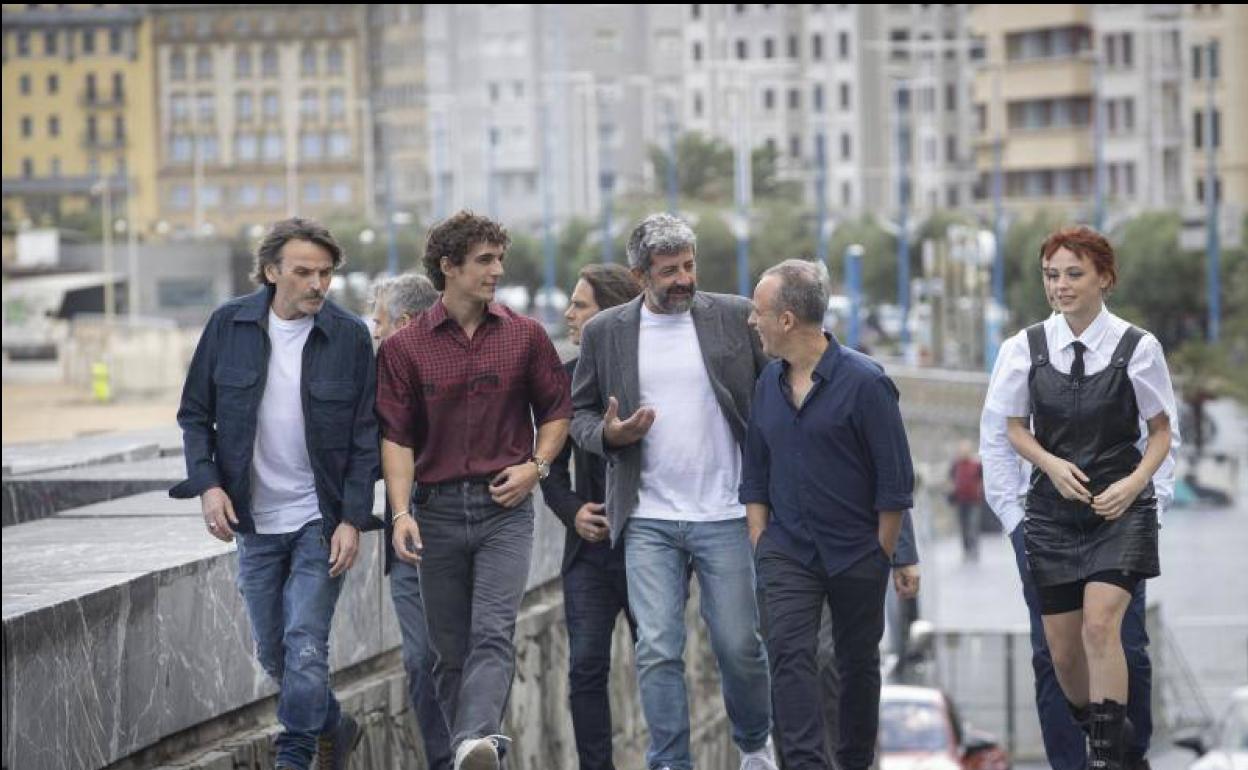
column 283, row 489
column 690, row 462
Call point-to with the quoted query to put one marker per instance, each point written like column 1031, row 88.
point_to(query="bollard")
column 101, row 385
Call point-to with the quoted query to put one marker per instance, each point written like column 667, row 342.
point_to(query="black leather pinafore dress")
column 1092, row 422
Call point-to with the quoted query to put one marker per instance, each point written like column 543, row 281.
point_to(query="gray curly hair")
column 659, row 234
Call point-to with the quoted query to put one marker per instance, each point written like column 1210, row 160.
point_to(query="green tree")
column 703, row 167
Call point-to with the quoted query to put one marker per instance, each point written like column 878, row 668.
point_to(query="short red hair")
column 1085, row 243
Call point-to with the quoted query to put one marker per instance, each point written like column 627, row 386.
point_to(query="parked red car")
column 920, row 730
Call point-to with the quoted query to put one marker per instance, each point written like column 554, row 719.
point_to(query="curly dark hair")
column 294, row 229
column 453, row 237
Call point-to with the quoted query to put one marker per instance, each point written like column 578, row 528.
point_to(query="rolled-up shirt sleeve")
column 885, row 435
column 1007, row 391
column 396, row 402
column 756, row 468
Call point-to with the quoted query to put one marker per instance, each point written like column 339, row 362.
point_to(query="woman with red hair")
column 1089, row 403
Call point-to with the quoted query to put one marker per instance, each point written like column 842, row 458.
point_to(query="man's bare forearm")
column 398, row 468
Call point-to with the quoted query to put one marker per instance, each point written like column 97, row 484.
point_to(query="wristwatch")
column 543, row 467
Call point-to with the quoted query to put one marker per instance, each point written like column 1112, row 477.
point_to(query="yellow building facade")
column 79, row 113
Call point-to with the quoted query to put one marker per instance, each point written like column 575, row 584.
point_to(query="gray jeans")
column 473, row 571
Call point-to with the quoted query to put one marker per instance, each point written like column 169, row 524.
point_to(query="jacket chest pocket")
column 331, row 412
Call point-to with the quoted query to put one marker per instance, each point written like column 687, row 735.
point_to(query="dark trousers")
column 473, row 572
column 795, row 596
column 968, row 522
column 1064, row 742
column 594, row 595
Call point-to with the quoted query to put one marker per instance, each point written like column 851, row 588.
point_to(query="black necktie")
column 1076, row 369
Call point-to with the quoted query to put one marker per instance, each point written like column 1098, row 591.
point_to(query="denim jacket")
column 338, row 389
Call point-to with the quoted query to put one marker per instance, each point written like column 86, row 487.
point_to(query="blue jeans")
column 659, row 555
column 1064, row 742
column 594, row 595
column 290, row 597
column 418, row 658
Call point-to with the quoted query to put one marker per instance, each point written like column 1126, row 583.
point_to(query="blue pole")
column 392, row 246
column 742, row 180
column 853, row 286
column 1213, row 244
column 1098, row 143
column 903, row 235
column 821, row 200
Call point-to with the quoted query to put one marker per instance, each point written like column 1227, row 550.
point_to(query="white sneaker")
column 763, row 759
column 478, row 753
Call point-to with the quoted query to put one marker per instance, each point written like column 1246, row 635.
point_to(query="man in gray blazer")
column 662, row 391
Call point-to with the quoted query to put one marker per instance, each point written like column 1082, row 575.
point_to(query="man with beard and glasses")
column 662, row 391
column 281, row 448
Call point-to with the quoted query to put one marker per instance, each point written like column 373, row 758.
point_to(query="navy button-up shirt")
column 826, row 470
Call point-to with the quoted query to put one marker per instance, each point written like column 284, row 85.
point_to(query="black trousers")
column 795, row 595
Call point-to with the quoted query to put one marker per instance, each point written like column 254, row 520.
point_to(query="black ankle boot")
column 1107, row 742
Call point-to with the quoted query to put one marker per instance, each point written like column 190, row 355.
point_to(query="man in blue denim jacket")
column 281, row 447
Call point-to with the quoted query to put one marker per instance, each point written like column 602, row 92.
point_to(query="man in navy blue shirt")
column 826, row 479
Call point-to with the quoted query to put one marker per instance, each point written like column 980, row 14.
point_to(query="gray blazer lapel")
column 626, row 352
column 709, row 325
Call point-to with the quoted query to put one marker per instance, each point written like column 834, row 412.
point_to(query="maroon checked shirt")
column 467, row 407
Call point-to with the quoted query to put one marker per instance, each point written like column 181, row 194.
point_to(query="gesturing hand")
column 620, row 433
column 1068, row 480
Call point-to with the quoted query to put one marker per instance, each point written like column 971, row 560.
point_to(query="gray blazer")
column 608, row 367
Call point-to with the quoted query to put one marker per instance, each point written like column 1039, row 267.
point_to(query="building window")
column 54, row 126
column 54, row 84
column 181, row 149
column 114, row 41
column 951, row 149
column 270, row 105
column 248, row 195
column 244, row 105
column 205, row 107
column 24, row 85
column 119, row 87
column 91, row 95
column 847, row 197
column 93, row 132
column 337, row 104
column 312, row 193
column 845, row 96
column 180, row 197
column 1213, row 61
column 1198, row 129
column 842, row 46
column 247, row 147
column 816, row 47
column 951, row 97
column 309, row 104
column 695, row 11
column 56, row 167
column 334, row 61
column 340, row 193
column 697, row 51
column 179, row 107
column 697, row 104
column 242, row 63
column 795, row 146
column 816, row 97
column 203, row 65
column 795, row 99
column 272, row 149
column 50, row 43
column 273, row 195
column 23, row 43
column 307, row 61
column 311, row 146
column 769, row 99
column 846, row 146
column 185, row 293
column 88, row 41
column 268, row 63
column 177, row 66
column 769, row 48
column 209, row 149
column 27, row 127
column 339, row 145
column 743, row 49
column 793, row 50
column 119, row 128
